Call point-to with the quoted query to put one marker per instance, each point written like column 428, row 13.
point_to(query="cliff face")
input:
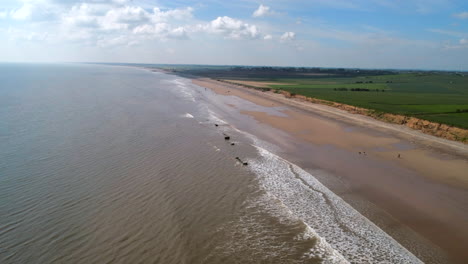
column 427, row 127
column 431, row 128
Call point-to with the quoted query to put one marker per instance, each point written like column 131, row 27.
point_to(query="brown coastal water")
column 104, row 164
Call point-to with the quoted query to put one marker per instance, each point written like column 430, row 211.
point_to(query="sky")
column 398, row 34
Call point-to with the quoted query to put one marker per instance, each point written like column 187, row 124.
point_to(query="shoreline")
column 403, row 190
column 302, row 104
column 439, row 130
column 456, row 149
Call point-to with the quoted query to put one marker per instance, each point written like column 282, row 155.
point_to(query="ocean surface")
column 109, row 164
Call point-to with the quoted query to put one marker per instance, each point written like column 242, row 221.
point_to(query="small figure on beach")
column 399, row 156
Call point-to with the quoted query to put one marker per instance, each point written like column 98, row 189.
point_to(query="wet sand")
column 424, row 190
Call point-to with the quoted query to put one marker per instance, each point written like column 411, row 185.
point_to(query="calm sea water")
column 102, row 164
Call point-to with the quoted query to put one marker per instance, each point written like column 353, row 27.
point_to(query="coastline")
column 424, row 126
column 421, row 191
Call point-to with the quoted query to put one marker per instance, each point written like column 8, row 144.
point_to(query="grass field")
column 439, row 97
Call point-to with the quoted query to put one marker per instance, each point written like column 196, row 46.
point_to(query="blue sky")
column 424, row 34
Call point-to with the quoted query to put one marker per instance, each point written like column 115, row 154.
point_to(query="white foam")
column 186, row 91
column 214, row 118
column 321, row 249
column 252, row 232
column 328, row 216
column 187, row 115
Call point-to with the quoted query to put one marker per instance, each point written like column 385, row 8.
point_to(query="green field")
column 439, row 97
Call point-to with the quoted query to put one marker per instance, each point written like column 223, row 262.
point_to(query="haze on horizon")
column 429, row 34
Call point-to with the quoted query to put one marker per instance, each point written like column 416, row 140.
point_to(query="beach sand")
column 412, row 185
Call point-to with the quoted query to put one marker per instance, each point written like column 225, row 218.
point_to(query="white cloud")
column 106, row 18
column 128, row 15
column 22, row 13
column 262, row 11
column 105, row 23
column 161, row 31
column 179, row 33
column 83, row 15
column 288, row 36
column 116, row 11
column 121, row 1
column 268, row 37
column 462, row 15
column 231, row 28
column 111, row 25
column 464, row 41
column 116, row 41
column 176, row 14
column 37, row 10
column 3, row 14
column 155, row 29
column 26, row 35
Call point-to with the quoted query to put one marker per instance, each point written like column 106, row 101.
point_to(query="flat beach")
column 412, row 185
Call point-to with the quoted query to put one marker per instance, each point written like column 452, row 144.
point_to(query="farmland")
column 438, row 97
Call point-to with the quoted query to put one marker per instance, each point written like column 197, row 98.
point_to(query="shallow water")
column 104, row 164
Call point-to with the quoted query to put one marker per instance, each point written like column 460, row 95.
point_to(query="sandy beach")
column 412, row 185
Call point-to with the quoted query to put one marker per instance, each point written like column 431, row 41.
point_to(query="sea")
column 118, row 164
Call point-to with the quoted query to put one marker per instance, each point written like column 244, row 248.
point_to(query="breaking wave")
column 355, row 237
